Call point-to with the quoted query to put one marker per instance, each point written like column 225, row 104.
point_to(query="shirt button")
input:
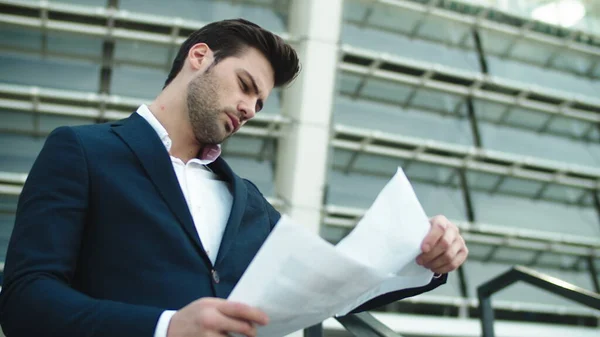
column 215, row 276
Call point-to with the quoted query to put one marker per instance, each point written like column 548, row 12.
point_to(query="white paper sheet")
column 299, row 279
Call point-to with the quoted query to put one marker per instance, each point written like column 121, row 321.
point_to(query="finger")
column 446, row 257
column 441, row 246
column 243, row 312
column 460, row 258
column 222, row 324
column 438, row 227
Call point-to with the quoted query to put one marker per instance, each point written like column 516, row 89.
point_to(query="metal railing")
column 546, row 282
column 359, row 325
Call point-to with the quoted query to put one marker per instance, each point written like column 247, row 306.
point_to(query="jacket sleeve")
column 36, row 297
column 400, row 294
column 272, row 213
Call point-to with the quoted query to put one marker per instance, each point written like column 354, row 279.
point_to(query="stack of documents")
column 299, row 279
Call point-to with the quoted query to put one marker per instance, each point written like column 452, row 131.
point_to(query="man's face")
column 225, row 96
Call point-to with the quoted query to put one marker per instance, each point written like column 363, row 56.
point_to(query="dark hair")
column 231, row 37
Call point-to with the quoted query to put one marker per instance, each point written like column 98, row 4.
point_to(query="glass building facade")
column 493, row 114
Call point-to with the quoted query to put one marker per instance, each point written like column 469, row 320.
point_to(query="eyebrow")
column 254, row 86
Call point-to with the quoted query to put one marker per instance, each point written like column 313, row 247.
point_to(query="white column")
column 303, row 150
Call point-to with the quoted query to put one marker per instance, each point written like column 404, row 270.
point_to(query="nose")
column 247, row 110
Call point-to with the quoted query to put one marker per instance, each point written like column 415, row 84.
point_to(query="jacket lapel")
column 240, row 193
column 144, row 142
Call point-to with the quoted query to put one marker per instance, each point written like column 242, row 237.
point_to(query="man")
column 139, row 228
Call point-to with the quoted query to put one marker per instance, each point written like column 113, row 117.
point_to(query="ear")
column 200, row 56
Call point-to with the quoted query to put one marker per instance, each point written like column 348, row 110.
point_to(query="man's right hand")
column 210, row 317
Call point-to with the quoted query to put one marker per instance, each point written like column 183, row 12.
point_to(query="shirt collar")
column 209, row 153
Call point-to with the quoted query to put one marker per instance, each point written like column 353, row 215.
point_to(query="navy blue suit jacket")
column 103, row 241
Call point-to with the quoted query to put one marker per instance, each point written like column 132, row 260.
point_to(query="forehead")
column 257, row 65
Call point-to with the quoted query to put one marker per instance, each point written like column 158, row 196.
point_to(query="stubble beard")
column 203, row 110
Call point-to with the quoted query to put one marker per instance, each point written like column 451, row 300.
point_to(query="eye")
column 259, row 105
column 243, row 85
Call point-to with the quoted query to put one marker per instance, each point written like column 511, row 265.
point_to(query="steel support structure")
column 113, row 24
column 483, row 66
column 470, row 210
column 418, row 75
column 517, row 29
column 108, row 50
column 590, row 259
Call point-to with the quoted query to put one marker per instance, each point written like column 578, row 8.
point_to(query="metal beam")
column 473, row 123
column 483, row 66
column 596, row 200
column 108, row 51
column 365, row 325
column 470, row 210
column 593, row 273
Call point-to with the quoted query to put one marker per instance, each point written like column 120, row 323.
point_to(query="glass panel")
column 258, row 172
column 74, row 44
column 536, row 214
column 137, row 82
column 360, row 190
column 540, row 145
column 514, row 255
column 21, row 152
column 243, row 144
column 49, row 72
column 333, row 234
column 400, row 45
column 18, row 38
column 394, row 119
column 6, row 225
column 135, row 51
column 520, row 186
column 546, row 77
column 208, row 10
column 478, row 251
column 482, row 181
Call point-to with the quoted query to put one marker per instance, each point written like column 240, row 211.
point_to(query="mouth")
column 235, row 123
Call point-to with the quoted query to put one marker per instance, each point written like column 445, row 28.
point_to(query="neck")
column 171, row 112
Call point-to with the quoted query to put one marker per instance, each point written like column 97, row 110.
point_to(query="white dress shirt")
column 208, row 198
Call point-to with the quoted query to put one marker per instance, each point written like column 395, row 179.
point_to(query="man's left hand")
column 444, row 250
